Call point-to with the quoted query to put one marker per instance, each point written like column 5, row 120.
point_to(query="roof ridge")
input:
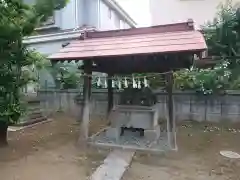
column 183, row 26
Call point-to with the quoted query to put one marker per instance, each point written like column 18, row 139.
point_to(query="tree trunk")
column 3, row 133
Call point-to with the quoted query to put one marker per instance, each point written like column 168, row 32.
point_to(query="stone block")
column 113, row 133
column 152, row 135
column 134, row 116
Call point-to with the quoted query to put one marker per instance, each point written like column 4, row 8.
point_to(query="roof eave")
column 88, row 58
column 52, row 37
column 59, row 36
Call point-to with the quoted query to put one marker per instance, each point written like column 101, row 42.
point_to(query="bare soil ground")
column 49, row 151
column 198, row 156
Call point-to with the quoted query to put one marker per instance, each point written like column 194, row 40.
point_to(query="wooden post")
column 170, row 99
column 110, row 93
column 171, row 116
column 86, row 99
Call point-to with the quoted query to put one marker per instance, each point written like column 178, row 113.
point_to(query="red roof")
column 159, row 39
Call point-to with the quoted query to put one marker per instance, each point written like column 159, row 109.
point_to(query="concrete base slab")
column 113, row 133
column 152, row 135
column 114, row 166
column 129, row 141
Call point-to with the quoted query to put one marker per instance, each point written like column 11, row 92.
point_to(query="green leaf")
column 17, row 20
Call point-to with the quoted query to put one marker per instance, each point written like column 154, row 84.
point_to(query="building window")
column 109, row 13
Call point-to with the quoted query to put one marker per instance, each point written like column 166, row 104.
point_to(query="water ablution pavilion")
column 134, row 121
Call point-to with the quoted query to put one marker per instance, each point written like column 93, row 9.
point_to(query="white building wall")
column 68, row 16
column 126, row 25
column 139, row 10
column 49, row 47
column 107, row 17
column 106, row 22
column 93, row 13
column 173, row 11
column 90, row 12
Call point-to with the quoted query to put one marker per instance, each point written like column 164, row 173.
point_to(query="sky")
column 139, row 10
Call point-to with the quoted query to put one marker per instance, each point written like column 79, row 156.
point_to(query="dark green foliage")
column 223, row 33
column 66, row 77
column 223, row 39
column 206, row 81
column 43, row 8
column 18, row 20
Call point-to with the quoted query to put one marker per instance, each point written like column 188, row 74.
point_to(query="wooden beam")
column 86, row 97
column 110, row 93
column 170, row 98
column 171, row 114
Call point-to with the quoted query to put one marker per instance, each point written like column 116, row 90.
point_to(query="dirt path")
column 48, row 151
column 198, row 157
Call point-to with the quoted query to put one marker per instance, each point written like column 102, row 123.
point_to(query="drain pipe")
column 99, row 15
column 76, row 15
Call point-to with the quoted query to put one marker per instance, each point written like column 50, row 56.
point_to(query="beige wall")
column 172, row 11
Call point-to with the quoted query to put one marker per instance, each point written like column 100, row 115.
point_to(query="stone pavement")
column 114, row 165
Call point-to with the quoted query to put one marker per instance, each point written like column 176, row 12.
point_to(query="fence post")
column 205, row 109
column 60, row 98
column 69, row 100
column 46, row 110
